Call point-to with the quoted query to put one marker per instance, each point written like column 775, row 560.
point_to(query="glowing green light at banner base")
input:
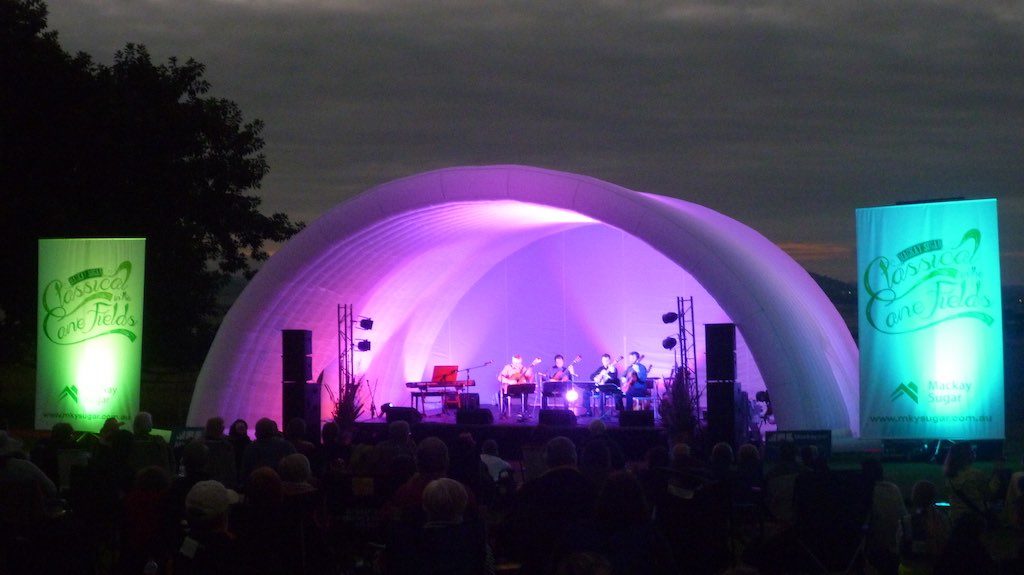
column 930, row 310
column 90, row 331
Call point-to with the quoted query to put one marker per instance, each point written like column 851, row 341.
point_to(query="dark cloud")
column 784, row 115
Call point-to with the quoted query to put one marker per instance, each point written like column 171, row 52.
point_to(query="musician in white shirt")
column 513, row 373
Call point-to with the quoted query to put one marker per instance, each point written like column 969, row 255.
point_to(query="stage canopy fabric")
column 468, row 264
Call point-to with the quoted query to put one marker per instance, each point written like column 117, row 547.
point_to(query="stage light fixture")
column 669, row 317
column 385, row 408
column 363, row 345
column 572, row 395
column 669, row 342
column 366, row 324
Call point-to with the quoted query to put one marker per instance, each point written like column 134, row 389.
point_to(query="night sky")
column 784, row 115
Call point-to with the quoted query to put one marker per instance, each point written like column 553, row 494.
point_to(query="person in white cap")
column 209, row 547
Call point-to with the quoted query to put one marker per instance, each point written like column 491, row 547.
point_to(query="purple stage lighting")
column 488, row 261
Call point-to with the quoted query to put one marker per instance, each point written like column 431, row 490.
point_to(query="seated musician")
column 635, row 378
column 607, row 374
column 562, row 372
column 559, row 373
column 513, row 373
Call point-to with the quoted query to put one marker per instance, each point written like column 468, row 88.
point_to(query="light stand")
column 347, row 350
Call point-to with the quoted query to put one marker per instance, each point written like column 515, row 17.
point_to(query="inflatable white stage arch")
column 408, row 252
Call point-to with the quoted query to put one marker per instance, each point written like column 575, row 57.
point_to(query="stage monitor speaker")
column 720, row 351
column 296, row 352
column 557, row 417
column 470, row 401
column 725, row 413
column 301, row 399
column 474, row 416
column 639, row 418
column 409, row 414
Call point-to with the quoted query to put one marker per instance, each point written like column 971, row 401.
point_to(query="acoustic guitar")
column 631, row 378
column 562, row 374
column 604, row 375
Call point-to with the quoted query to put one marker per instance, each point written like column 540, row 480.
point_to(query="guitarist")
column 607, row 374
column 635, row 379
column 512, row 373
column 515, row 372
column 560, row 375
column 562, row 372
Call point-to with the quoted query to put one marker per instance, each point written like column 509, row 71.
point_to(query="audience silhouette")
column 356, row 503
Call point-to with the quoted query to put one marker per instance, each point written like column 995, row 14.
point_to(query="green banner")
column 90, row 331
column 930, row 328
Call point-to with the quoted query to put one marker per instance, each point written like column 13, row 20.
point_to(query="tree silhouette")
column 130, row 149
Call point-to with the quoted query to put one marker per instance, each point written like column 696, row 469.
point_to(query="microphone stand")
column 463, row 388
column 373, row 404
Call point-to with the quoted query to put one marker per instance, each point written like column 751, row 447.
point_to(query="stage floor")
column 516, row 419
column 513, row 432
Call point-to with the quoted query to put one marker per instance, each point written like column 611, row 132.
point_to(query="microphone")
column 488, row 362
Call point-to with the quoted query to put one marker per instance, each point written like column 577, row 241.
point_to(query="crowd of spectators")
column 127, row 502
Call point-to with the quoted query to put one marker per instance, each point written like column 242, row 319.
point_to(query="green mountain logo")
column 69, row 391
column 908, row 389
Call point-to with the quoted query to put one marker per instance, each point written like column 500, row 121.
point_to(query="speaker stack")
column 720, row 347
column 725, row 400
column 299, row 396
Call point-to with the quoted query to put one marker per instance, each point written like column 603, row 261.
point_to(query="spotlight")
column 363, row 345
column 669, row 342
column 366, row 323
column 571, row 395
column 669, row 317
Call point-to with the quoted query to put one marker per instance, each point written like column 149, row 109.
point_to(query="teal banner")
column 930, row 326
column 89, row 344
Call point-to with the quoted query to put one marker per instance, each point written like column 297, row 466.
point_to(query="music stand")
column 445, row 374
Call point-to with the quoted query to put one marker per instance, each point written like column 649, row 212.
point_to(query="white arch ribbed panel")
column 405, row 253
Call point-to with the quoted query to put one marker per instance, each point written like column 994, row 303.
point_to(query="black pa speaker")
column 474, row 416
column 725, row 410
column 408, row 414
column 720, row 350
column 296, row 355
column 639, row 418
column 296, row 342
column 296, row 368
column 301, row 399
column 471, row 401
column 557, row 417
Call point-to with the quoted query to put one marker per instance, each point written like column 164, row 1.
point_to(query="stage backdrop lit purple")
column 468, row 264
